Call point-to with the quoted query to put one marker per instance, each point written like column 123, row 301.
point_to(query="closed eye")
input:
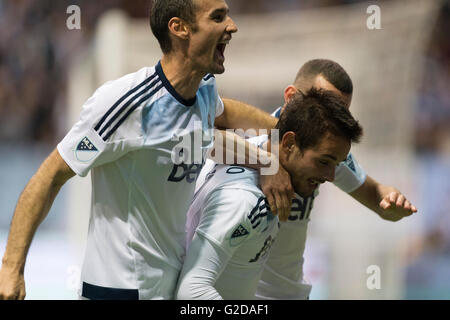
column 218, row 18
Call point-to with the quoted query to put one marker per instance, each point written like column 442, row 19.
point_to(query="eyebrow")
column 220, row 11
column 330, row 156
column 333, row 158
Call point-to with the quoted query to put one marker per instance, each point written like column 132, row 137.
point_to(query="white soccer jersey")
column 282, row 277
column 125, row 137
column 229, row 214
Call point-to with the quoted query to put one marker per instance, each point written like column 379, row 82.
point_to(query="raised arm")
column 32, row 208
column 388, row 202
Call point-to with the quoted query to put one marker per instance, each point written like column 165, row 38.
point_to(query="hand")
column 12, row 285
column 279, row 192
column 395, row 207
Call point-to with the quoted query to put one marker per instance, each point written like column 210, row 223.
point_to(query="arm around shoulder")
column 239, row 115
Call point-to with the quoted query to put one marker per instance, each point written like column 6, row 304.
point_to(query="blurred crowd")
column 428, row 275
column 36, row 49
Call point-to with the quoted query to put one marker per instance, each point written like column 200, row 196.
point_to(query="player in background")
column 125, row 138
column 282, row 277
column 229, row 222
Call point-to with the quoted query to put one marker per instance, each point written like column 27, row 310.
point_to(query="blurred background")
column 401, row 76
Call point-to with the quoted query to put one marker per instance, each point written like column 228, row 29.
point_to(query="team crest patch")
column 239, row 234
column 86, row 150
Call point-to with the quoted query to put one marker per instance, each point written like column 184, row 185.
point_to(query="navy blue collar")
column 168, row 86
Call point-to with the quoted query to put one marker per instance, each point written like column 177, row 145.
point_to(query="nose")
column 231, row 26
column 330, row 174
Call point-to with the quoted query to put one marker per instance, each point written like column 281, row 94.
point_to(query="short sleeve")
column 84, row 147
column 349, row 175
column 225, row 219
column 219, row 106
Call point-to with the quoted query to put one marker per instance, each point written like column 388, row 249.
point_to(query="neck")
column 182, row 75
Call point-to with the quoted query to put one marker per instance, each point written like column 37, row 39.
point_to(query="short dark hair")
column 330, row 70
column 161, row 11
column 315, row 114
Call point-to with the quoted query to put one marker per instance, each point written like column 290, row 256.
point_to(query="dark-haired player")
column 230, row 229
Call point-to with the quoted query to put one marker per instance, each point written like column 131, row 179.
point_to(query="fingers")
column 385, row 204
column 396, row 200
column 283, row 206
column 279, row 192
column 22, row 294
column 400, row 200
column 287, row 205
column 272, row 203
column 279, row 205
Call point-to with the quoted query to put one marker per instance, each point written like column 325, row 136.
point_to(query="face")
column 316, row 165
column 213, row 31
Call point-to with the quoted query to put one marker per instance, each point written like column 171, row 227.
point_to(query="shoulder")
column 118, row 103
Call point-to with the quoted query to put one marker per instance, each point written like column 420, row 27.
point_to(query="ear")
column 179, row 28
column 289, row 92
column 287, row 144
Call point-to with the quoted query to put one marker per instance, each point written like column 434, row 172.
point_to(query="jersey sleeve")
column 225, row 220
column 202, row 267
column 88, row 143
column 349, row 175
column 219, row 102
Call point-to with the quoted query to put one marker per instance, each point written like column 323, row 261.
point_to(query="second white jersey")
column 283, row 277
column 231, row 212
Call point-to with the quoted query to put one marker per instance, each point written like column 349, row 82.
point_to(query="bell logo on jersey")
column 181, row 171
column 301, row 208
column 85, row 151
column 239, row 234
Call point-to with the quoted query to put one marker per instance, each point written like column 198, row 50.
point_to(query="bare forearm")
column 231, row 149
column 32, row 207
column 239, row 115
